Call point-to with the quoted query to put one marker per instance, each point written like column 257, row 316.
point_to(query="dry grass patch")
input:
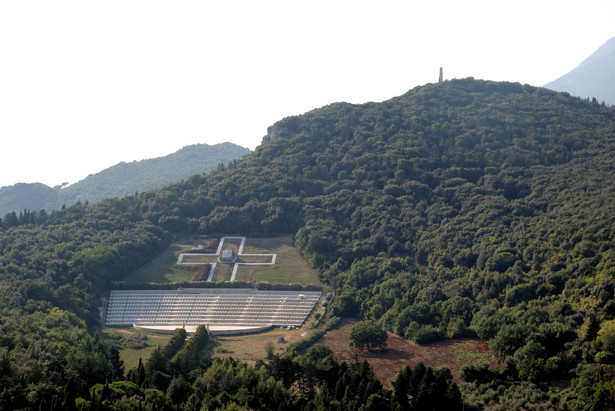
column 252, row 347
column 400, row 353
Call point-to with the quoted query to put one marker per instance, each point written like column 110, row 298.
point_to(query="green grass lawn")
column 290, row 267
column 132, row 349
column 222, row 272
column 162, row 269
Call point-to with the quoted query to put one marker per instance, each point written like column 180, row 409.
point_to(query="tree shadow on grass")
column 386, row 353
column 211, row 346
column 158, row 269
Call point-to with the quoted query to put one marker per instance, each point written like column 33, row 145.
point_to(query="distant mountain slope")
column 33, row 196
column 594, row 77
column 121, row 179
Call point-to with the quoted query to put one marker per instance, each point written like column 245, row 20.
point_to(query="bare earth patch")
column 400, row 353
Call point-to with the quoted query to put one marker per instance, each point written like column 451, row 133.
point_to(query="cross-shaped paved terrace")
column 240, row 254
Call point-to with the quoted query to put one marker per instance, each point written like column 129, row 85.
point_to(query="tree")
column 368, row 334
column 589, row 329
column 345, row 305
column 424, row 388
column 595, row 387
column 179, row 389
column 140, row 373
column 606, row 335
column 508, row 340
column 157, row 400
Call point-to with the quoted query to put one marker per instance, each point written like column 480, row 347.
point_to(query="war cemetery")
column 225, row 311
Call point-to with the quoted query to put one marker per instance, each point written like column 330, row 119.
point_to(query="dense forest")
column 460, row 209
column 121, row 179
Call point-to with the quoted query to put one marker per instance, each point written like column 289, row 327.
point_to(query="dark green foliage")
column 368, row 334
column 140, row 375
column 480, row 373
column 157, row 371
column 345, row 305
column 422, row 388
column 595, row 388
column 509, row 339
column 174, row 344
column 427, row 334
column 314, row 380
column 179, row 390
column 188, row 358
column 284, row 369
column 317, row 368
column 230, row 381
column 304, row 343
column 497, row 394
column 156, row 400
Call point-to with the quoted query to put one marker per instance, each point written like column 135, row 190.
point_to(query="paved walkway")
column 180, row 260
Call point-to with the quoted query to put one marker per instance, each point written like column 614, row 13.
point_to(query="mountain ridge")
column 593, row 78
column 121, row 179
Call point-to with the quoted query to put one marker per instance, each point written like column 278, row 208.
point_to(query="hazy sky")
column 85, row 85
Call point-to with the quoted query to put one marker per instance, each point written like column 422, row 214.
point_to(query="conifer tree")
column 140, row 374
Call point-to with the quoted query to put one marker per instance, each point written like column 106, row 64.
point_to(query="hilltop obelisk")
column 441, row 76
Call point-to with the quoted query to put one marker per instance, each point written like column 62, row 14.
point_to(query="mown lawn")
column 163, row 269
column 290, row 267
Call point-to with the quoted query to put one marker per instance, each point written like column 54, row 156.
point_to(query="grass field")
column 249, row 347
column 290, row 267
column 163, row 269
column 223, row 272
column 399, row 353
column 130, row 348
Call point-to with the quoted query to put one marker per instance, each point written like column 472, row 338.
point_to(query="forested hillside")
column 463, row 208
column 121, row 179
